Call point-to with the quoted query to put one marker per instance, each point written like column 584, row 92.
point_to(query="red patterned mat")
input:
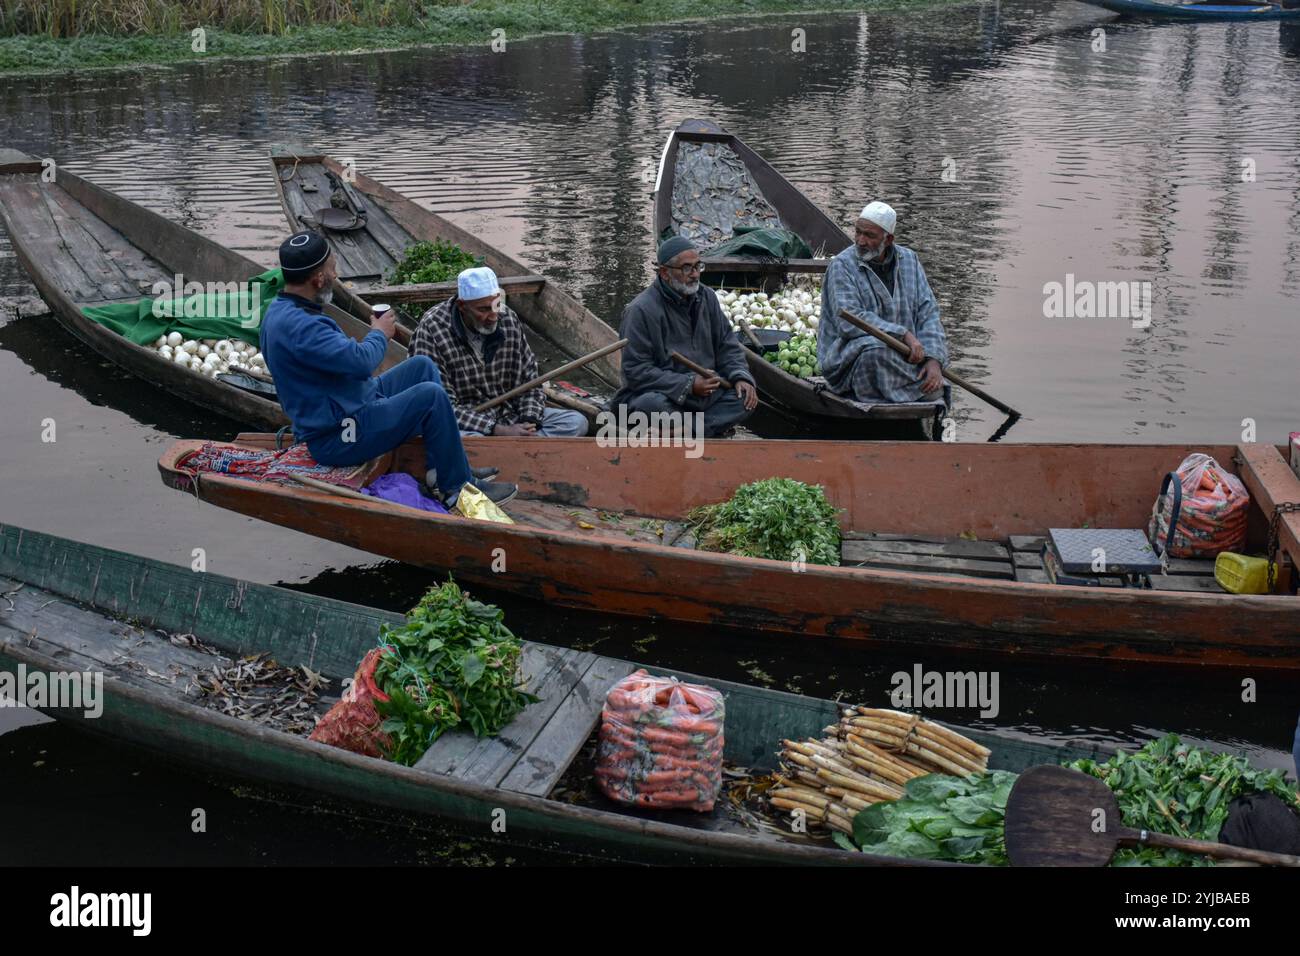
column 259, row 465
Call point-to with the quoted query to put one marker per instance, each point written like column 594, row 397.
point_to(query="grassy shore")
column 40, row 36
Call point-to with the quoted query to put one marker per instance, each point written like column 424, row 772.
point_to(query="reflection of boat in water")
column 1198, row 11
column 1289, row 38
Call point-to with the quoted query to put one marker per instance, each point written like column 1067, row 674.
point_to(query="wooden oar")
column 744, row 324
column 334, row 489
column 710, row 373
column 902, row 349
column 699, row 369
column 541, row 379
column 1054, row 816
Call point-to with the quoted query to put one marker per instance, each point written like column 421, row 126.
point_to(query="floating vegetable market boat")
column 85, row 246
column 942, row 546
column 152, row 628
column 710, row 183
column 370, row 227
column 1158, row 9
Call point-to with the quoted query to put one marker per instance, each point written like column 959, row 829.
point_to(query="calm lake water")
column 1016, row 149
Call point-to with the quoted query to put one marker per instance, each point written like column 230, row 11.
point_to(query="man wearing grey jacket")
column 678, row 313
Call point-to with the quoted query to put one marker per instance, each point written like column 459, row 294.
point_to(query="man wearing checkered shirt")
column 479, row 346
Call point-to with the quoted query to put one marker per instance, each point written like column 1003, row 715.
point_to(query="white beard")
column 325, row 296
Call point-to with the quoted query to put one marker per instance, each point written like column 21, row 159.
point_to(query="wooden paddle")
column 902, row 349
column 1062, row 817
column 699, row 369
column 744, row 324
column 541, row 379
column 709, row 373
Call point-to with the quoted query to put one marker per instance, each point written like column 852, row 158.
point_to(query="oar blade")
column 1061, row 817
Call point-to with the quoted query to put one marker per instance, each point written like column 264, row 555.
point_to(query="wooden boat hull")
column 799, row 396
column 1154, row 9
column 240, row 617
column 77, row 211
column 918, row 488
column 551, row 312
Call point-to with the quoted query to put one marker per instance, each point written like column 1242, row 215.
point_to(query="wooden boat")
column 821, row 406
column 808, row 399
column 1158, row 9
column 942, row 545
column 797, row 213
column 367, row 253
column 78, row 608
column 85, row 246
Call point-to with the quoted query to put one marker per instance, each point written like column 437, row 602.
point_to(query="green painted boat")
column 71, row 607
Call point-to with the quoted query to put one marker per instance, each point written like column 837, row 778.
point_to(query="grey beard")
column 684, row 288
column 325, row 296
column 869, row 255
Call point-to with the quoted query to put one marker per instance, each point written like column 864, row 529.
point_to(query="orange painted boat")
column 601, row 528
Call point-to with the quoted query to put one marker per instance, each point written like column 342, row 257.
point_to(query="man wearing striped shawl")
column 883, row 284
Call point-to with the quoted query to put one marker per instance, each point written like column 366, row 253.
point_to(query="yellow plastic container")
column 1241, row 574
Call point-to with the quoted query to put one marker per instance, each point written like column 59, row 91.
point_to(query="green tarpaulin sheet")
column 230, row 310
column 763, row 243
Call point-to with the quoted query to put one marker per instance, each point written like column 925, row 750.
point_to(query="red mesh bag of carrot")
column 353, row 723
column 661, row 744
column 1207, row 509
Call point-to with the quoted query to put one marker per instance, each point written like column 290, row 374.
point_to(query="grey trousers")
column 721, row 410
column 556, row 423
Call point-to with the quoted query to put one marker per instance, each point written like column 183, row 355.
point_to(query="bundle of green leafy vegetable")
column 778, row 518
column 452, row 662
column 1166, row 787
column 437, row 261
column 939, row 818
column 1172, row 787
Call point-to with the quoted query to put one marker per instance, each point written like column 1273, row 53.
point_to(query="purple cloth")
column 404, row 490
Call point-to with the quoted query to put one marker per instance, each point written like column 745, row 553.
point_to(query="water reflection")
column 1015, row 150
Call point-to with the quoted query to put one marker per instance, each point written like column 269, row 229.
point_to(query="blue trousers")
column 412, row 402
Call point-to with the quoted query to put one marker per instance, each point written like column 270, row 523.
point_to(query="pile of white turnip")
column 796, row 309
column 211, row 357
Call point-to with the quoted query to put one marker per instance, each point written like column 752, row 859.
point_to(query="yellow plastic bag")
column 472, row 503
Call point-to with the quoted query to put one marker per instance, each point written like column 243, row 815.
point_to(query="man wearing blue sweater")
column 345, row 413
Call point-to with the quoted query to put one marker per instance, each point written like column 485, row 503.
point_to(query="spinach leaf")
column 452, row 662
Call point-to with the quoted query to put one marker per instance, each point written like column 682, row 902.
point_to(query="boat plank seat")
column 1020, row 559
column 551, row 673
column 1187, row 582
column 540, row 767
column 780, row 266
column 441, row 291
column 981, row 559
